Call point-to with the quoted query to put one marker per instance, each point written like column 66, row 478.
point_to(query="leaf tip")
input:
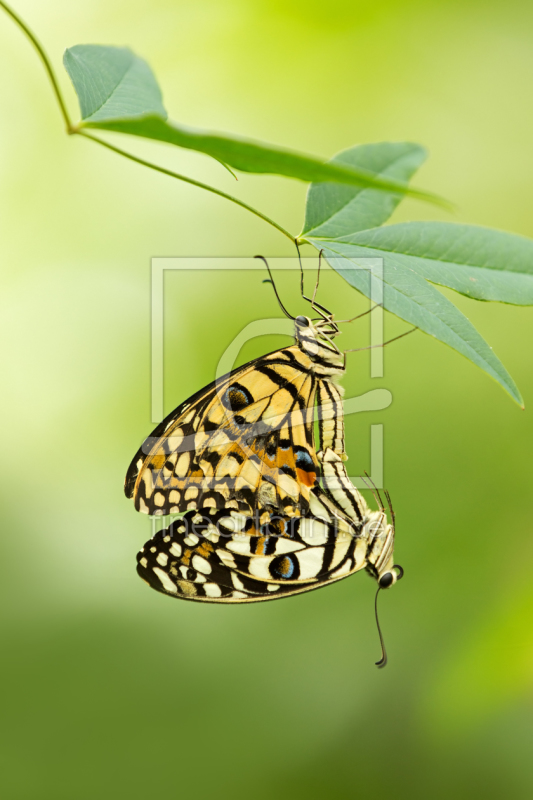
column 519, row 400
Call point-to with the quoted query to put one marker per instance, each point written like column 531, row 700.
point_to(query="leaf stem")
column 184, row 178
column 44, row 58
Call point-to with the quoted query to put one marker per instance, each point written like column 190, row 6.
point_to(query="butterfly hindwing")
column 228, row 557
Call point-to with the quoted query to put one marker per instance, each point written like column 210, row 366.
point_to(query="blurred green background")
column 112, row 690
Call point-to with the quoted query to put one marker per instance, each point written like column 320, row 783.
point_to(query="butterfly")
column 245, row 441
column 228, row 557
column 266, row 514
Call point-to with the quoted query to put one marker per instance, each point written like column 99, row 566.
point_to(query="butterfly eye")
column 387, row 580
column 302, row 321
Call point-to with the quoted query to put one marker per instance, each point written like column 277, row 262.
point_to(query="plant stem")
column 187, row 180
column 44, row 58
column 72, row 129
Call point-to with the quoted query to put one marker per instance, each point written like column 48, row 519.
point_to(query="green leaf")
column 333, row 210
column 248, row 155
column 478, row 262
column 410, row 296
column 112, row 82
column 118, row 92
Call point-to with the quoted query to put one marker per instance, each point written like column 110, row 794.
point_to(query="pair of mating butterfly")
column 266, row 514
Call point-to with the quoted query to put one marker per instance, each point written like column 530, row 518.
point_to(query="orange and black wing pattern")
column 245, row 443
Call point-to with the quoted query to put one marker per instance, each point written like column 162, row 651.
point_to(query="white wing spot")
column 159, row 499
column 236, row 581
column 201, row 564
column 167, row 584
column 212, row 590
column 313, row 532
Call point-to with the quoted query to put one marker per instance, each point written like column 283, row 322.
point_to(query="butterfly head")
column 380, row 561
column 315, row 337
column 381, row 550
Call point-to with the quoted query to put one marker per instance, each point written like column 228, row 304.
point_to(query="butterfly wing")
column 227, row 557
column 244, row 442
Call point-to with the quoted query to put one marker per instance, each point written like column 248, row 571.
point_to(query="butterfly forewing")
column 246, row 441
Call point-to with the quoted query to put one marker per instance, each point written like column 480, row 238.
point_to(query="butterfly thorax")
column 316, row 340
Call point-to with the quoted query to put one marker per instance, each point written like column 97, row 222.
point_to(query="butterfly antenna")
column 375, row 491
column 275, row 290
column 383, row 660
column 392, row 514
column 369, row 487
